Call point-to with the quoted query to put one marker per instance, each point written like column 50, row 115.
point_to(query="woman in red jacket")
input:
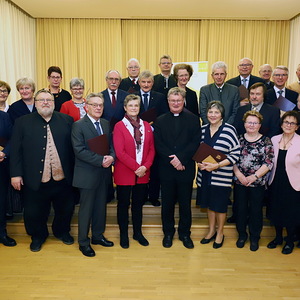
column 134, row 147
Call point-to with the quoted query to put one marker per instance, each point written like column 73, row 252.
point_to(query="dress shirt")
column 277, row 90
column 247, row 80
column 93, row 121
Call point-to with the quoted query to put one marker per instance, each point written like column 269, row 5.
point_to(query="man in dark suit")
column 91, row 175
column 42, row 161
column 177, row 137
column 219, row 90
column 245, row 78
column 271, row 115
column 265, row 73
column 280, row 76
column 130, row 84
column 165, row 80
column 113, row 98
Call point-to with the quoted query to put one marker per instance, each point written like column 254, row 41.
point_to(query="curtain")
column 294, row 54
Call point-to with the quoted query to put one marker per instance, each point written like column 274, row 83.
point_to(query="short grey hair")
column 284, row 68
column 177, row 91
column 133, row 59
column 219, row 65
column 76, row 81
column 218, row 105
column 146, row 74
column 132, row 97
column 247, row 59
column 92, row 95
column 110, row 71
column 25, row 81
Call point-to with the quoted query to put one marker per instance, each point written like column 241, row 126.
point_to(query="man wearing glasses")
column 92, row 174
column 42, row 163
column 130, row 84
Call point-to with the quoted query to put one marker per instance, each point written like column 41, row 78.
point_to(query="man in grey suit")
column 219, row 90
column 91, row 175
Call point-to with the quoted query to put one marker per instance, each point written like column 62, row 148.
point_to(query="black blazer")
column 18, row 109
column 289, row 94
column 271, row 120
column 127, row 86
column 180, row 136
column 237, row 80
column 159, row 84
column 191, row 101
column 28, row 144
column 269, row 84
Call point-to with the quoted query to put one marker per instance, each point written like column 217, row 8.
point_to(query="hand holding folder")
column 99, row 144
column 206, row 153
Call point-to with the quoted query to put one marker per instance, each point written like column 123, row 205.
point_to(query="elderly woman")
column 134, row 147
column 4, row 92
column 76, row 106
column 284, row 182
column 24, row 106
column 182, row 74
column 250, row 179
column 214, row 179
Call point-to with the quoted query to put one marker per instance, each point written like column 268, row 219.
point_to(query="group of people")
column 142, row 133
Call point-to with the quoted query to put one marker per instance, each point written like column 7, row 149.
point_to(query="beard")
column 45, row 112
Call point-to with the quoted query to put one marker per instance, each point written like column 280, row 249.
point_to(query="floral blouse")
column 253, row 156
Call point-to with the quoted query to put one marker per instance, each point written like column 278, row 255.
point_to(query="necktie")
column 98, row 128
column 133, row 81
column 146, row 104
column 166, row 82
column 280, row 92
column 244, row 81
column 220, row 93
column 113, row 99
column 254, row 108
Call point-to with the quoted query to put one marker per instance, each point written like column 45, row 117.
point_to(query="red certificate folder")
column 206, row 153
column 99, row 144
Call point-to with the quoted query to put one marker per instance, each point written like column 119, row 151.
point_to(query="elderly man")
column 295, row 86
column 219, row 90
column 165, row 80
column 42, row 164
column 177, row 137
column 130, row 84
column 265, row 73
column 92, row 174
column 280, row 76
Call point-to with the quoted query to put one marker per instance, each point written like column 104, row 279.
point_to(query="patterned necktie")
column 98, row 128
column 146, row 104
column 133, row 81
column 113, row 99
column 244, row 81
column 280, row 92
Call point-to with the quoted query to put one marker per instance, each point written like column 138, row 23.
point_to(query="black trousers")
column 154, row 183
column 137, row 194
column 37, row 205
column 172, row 191
column 4, row 181
column 248, row 210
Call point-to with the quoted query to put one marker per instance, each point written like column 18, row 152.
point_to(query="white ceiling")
column 162, row 9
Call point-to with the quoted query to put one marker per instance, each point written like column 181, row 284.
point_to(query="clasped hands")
column 107, row 161
column 176, row 163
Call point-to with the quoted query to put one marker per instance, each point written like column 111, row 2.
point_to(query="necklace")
column 252, row 138
column 285, row 144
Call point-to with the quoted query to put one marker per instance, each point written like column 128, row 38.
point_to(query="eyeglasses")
column 280, row 75
column 166, row 63
column 175, row 101
column 245, row 65
column 252, row 123
column 77, row 89
column 287, row 123
column 44, row 100
column 4, row 91
column 184, row 76
column 55, row 77
column 113, row 79
column 133, row 68
column 95, row 105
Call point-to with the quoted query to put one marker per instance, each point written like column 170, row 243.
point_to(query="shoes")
column 103, row 242
column 154, row 202
column 273, row 244
column 7, row 241
column 240, row 243
column 219, row 245
column 167, row 241
column 66, row 239
column 187, row 242
column 124, row 241
column 254, row 245
column 206, row 241
column 36, row 245
column 231, row 219
column 141, row 239
column 288, row 248
column 87, row 251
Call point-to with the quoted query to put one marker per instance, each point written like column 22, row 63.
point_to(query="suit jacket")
column 29, row 141
column 159, row 84
column 271, row 120
column 18, row 109
column 5, row 132
column 295, row 86
column 109, row 111
column 157, row 101
column 180, row 136
column 126, row 155
column 289, row 94
column 191, row 101
column 237, row 80
column 127, row 85
column 230, row 98
column 269, row 84
column 88, row 171
column 292, row 160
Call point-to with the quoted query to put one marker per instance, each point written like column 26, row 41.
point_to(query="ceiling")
column 162, row 9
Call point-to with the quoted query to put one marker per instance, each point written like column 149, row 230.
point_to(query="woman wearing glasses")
column 284, row 182
column 250, row 171
column 4, row 92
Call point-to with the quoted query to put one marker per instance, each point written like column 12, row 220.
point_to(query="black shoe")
column 206, row 241
column 273, row 244
column 187, row 242
column 219, row 245
column 231, row 219
column 167, row 241
column 254, row 245
column 240, row 243
column 288, row 248
column 141, row 239
column 7, row 241
column 154, row 202
column 103, row 242
column 87, row 250
column 36, row 245
column 124, row 241
column 66, row 239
